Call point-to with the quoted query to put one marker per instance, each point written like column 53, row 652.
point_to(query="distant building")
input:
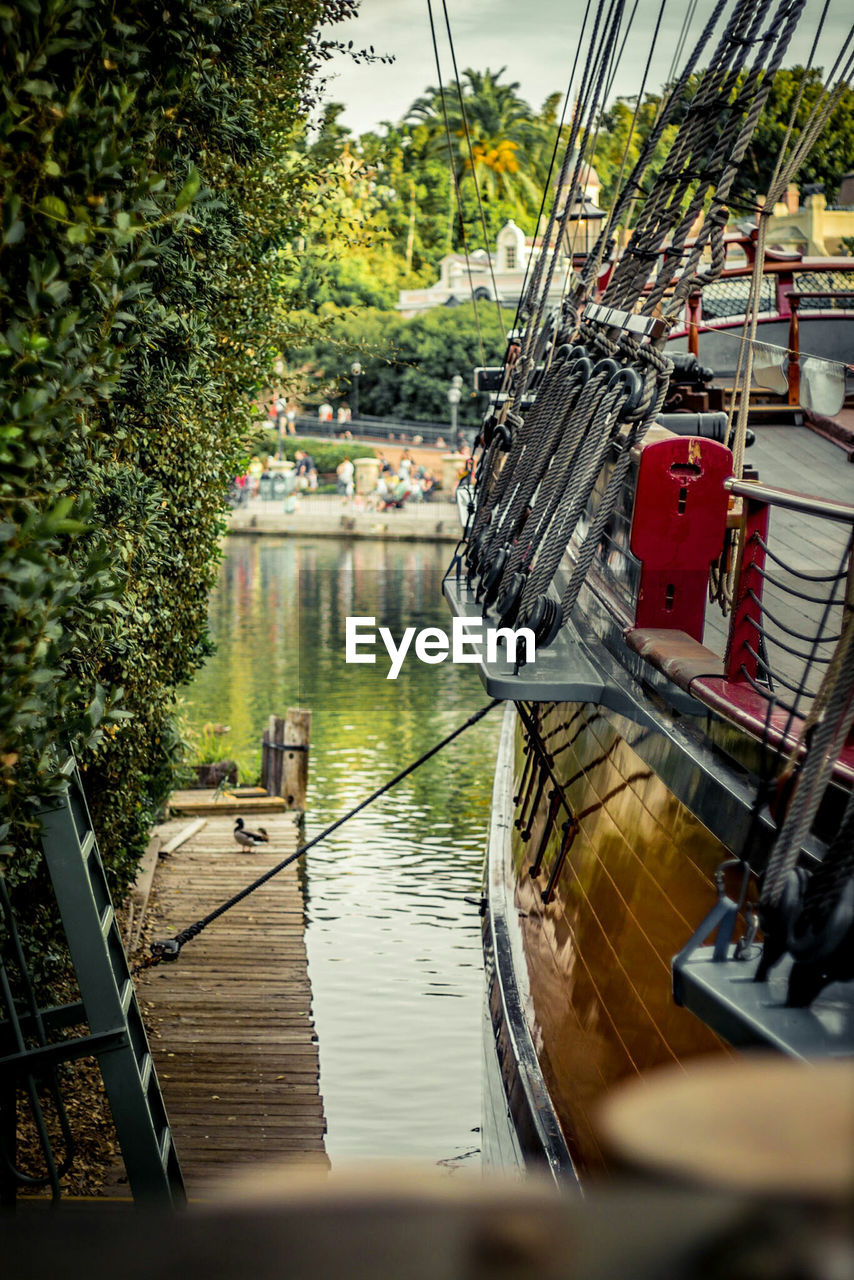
column 500, row 274
column 503, row 271
column 814, row 228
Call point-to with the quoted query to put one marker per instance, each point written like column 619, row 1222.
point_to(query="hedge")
column 147, row 188
column 327, row 453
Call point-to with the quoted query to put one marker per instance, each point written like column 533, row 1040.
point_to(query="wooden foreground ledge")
column 420, row 1226
column 224, row 803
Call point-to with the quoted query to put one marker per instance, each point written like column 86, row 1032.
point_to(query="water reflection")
column 394, row 952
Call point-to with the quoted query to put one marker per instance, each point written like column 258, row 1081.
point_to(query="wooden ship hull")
column 587, row 934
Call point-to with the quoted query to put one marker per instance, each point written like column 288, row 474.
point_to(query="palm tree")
column 502, row 131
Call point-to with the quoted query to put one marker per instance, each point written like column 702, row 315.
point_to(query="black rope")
column 766, row 636
column 555, row 149
column 784, row 626
column 464, row 115
column 799, row 573
column 785, row 589
column 799, row 689
column 170, row 948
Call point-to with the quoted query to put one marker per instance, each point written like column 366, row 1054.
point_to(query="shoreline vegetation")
column 148, row 179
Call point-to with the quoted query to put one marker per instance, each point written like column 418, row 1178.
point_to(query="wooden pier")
column 230, row 1021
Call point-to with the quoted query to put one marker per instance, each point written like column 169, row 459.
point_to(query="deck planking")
column 230, row 1022
column 797, row 459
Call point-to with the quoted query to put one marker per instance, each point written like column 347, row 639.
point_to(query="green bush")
column 407, row 365
column 144, row 153
column 328, row 454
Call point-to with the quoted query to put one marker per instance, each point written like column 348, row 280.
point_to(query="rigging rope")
column 464, row 115
column 555, row 150
column 170, row 948
column 784, row 173
column 591, row 268
column 704, row 158
column 825, row 733
column 454, row 183
column 533, row 306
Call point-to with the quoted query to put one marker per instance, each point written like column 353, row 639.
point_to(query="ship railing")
column 787, row 613
column 813, row 300
column 787, row 290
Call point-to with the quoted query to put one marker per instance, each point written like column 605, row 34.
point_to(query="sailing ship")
column 674, row 776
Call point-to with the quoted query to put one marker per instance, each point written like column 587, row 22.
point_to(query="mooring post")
column 297, row 740
column 276, row 740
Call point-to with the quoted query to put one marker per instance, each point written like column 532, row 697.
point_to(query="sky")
column 534, row 39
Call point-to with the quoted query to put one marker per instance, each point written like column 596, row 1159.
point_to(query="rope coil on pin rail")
column 167, row 949
column 612, row 396
column 553, row 485
column 539, row 441
column 530, row 452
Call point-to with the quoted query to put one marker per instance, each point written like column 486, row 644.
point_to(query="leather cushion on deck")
column 678, row 655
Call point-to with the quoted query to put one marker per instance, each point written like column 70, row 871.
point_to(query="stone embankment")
column 321, row 516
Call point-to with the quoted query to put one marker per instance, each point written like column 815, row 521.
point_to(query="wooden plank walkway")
column 795, row 458
column 230, row 1022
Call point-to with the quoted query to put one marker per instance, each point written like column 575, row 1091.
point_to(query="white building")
column 510, row 261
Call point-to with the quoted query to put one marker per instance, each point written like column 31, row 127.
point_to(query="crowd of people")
column 405, row 482
column 396, row 486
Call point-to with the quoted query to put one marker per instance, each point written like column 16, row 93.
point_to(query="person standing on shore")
column 345, row 472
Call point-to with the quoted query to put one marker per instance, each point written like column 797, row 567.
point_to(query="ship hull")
column 579, row 933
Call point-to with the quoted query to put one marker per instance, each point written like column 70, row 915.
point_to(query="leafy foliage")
column 407, row 365
column 494, row 137
column 829, row 158
column 146, row 166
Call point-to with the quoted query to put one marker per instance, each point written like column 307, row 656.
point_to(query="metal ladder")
column 108, row 1004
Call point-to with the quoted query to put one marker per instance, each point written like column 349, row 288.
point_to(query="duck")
column 249, row 839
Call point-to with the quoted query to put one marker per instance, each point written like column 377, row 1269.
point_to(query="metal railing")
column 365, row 427
column 787, row 617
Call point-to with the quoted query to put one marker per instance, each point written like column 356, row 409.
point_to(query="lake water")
column 394, row 950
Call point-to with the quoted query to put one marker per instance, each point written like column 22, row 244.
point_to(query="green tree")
column 502, row 131
column 617, row 129
column 407, row 365
column 828, row 159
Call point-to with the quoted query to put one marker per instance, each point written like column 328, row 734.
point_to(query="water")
column 394, row 951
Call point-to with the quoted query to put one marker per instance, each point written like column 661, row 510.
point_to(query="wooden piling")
column 295, row 758
column 284, row 757
column 272, row 751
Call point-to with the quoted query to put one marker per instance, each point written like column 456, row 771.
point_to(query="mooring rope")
column 170, row 948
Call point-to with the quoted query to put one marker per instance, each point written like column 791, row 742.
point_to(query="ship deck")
column 794, row 457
